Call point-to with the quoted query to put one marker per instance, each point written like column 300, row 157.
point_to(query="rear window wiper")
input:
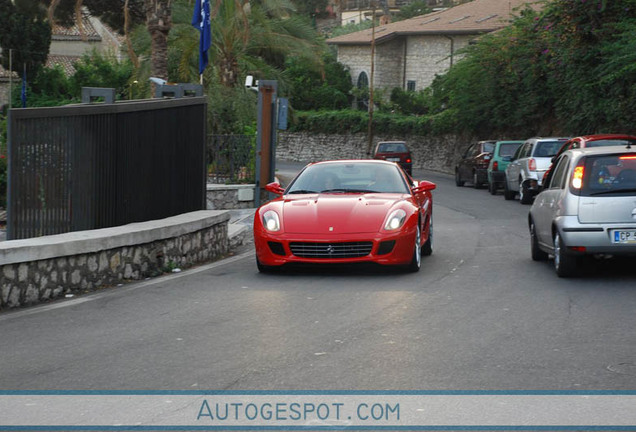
column 613, row 191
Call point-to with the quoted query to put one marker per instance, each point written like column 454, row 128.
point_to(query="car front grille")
column 331, row 250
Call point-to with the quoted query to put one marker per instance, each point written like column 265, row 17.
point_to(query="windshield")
column 612, row 174
column 356, row 177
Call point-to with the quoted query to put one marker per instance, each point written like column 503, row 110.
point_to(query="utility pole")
column 370, row 125
column 10, row 75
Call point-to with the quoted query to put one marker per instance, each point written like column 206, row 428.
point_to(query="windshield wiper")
column 301, row 191
column 613, row 191
column 347, row 191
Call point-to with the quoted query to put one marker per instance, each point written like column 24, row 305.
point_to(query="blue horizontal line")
column 318, row 392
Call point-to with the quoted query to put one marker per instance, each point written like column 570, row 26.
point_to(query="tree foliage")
column 567, row 70
column 25, row 35
column 413, row 9
column 311, row 88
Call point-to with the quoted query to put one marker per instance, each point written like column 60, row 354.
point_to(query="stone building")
column 409, row 53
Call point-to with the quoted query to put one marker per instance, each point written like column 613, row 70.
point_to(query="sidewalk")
column 239, row 228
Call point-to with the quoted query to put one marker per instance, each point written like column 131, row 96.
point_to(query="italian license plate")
column 393, row 159
column 620, row 236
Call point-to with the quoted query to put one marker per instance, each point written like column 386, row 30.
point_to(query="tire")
column 508, row 194
column 262, row 268
column 564, row 264
column 427, row 247
column 525, row 197
column 537, row 253
column 492, row 188
column 416, row 261
column 458, row 181
column 476, row 183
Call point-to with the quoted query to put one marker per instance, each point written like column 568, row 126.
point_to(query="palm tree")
column 159, row 23
column 250, row 37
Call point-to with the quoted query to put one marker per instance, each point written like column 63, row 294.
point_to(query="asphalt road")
column 480, row 315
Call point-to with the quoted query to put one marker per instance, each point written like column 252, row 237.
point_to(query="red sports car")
column 349, row 211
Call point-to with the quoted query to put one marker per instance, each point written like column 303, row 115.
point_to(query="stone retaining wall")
column 438, row 153
column 226, row 197
column 43, row 268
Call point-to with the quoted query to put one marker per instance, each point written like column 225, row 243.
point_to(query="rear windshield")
column 489, row 147
column 609, row 175
column 611, row 142
column 508, row 149
column 547, row 148
column 392, row 148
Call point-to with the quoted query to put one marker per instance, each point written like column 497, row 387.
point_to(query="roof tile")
column 475, row 17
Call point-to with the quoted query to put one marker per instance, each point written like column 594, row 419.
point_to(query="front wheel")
column 525, row 197
column 476, row 183
column 564, row 264
column 416, row 261
column 427, row 247
column 265, row 268
column 508, row 194
column 458, row 180
column 537, row 253
column 492, row 187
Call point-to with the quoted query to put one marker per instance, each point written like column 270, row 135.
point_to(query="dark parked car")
column 395, row 151
column 473, row 166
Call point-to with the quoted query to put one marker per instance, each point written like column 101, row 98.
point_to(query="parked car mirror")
column 275, row 188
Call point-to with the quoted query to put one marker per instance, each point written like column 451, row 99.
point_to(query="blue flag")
column 23, row 94
column 201, row 20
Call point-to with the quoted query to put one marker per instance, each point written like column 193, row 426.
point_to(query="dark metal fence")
column 95, row 166
column 231, row 158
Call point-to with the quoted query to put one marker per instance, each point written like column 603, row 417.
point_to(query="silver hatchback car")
column 587, row 208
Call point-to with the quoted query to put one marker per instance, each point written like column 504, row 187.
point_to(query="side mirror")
column 423, row 186
column 274, row 188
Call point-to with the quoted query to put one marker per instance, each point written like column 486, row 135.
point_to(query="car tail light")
column 495, row 166
column 408, row 160
column 577, row 177
column 532, row 164
column 627, row 157
column 577, row 248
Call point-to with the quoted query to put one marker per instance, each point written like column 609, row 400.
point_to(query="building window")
column 363, row 80
column 410, row 86
column 363, row 97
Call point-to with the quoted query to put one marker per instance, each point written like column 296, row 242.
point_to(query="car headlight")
column 271, row 222
column 395, row 220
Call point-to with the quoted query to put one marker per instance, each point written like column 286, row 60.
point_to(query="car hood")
column 338, row 214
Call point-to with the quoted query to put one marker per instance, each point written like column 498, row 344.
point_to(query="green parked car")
column 501, row 156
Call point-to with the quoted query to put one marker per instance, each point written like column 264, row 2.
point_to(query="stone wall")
column 438, row 153
column 412, row 58
column 225, row 197
column 429, row 56
column 43, row 268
